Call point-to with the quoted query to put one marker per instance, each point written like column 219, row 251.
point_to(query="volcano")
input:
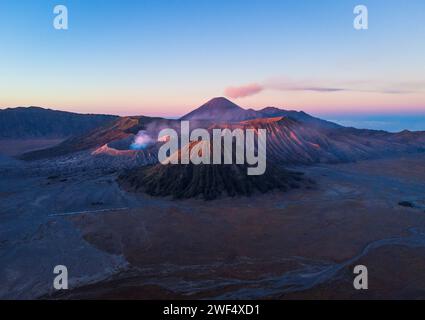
column 208, row 181
column 220, row 109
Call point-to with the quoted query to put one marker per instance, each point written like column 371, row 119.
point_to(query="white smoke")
column 141, row 141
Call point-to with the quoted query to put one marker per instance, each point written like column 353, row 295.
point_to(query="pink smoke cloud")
column 243, row 91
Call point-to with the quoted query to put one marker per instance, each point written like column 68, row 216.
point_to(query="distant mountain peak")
column 220, row 103
column 218, row 109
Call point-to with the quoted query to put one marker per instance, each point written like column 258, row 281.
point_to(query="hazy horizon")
column 395, row 122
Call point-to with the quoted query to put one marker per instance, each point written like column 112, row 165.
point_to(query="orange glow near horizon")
column 175, row 105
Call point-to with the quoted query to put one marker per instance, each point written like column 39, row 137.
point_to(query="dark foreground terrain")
column 302, row 243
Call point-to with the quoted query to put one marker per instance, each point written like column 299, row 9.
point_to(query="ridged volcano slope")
column 208, row 181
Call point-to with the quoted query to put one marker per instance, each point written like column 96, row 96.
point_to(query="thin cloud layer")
column 291, row 85
column 243, row 91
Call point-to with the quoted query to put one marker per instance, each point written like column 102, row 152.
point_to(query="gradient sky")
column 165, row 57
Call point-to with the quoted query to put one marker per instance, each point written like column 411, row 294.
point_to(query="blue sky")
column 165, row 57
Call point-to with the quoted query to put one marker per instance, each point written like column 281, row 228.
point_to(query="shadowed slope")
column 208, row 181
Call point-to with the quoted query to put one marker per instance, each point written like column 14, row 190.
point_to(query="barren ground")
column 300, row 244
